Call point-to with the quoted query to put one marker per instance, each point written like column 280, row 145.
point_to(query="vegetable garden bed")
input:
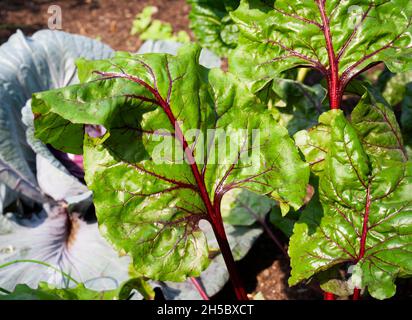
column 305, row 138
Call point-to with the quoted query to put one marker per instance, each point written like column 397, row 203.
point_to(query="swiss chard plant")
column 364, row 222
column 397, row 90
column 339, row 39
column 212, row 25
column 178, row 141
column 148, row 28
column 178, row 138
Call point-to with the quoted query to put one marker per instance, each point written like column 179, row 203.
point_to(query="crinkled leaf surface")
column 153, row 29
column 213, row 278
column 378, row 129
column 64, row 170
column 286, row 223
column 396, row 89
column 149, row 208
column 216, row 275
column 66, row 242
column 52, row 176
column 212, row 25
column 366, row 195
column 35, row 144
column 279, row 35
column 7, row 196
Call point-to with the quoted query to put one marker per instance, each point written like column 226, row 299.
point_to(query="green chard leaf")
column 397, row 90
column 314, row 142
column 212, row 25
column 44, row 291
column 339, row 38
column 366, row 194
column 156, row 172
column 153, row 29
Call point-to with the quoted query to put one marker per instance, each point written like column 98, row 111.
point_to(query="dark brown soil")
column 108, row 20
